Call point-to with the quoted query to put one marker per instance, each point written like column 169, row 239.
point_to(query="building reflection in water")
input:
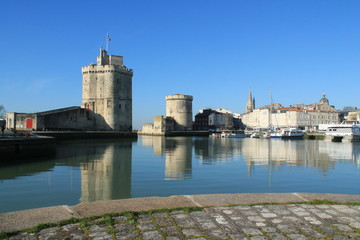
column 217, row 150
column 177, row 152
column 315, row 154
column 105, row 167
column 274, row 153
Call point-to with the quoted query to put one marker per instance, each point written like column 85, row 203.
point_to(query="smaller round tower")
column 179, row 107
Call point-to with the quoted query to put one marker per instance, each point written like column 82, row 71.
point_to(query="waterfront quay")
column 17, row 147
column 217, row 216
column 25, row 144
column 66, row 135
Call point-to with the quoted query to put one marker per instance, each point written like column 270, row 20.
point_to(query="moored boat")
column 288, row 133
column 230, row 134
column 343, row 133
column 256, row 134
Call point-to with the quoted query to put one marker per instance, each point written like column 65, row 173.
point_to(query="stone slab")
column 331, row 197
column 133, row 204
column 29, row 218
column 243, row 198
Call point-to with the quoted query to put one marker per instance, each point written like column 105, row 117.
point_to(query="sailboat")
column 283, row 133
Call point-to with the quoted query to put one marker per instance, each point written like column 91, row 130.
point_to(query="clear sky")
column 215, row 51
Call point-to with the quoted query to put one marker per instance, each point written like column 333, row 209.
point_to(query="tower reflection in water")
column 105, row 167
column 91, row 170
column 178, row 154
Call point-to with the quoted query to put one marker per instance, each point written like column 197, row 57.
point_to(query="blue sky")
column 214, row 50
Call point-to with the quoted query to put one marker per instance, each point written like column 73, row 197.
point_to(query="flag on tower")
column 108, row 38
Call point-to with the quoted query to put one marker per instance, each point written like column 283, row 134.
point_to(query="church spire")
column 250, row 103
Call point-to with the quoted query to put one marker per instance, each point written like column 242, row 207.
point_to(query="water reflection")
column 106, row 165
column 315, row 154
column 105, row 168
column 29, row 168
column 273, row 153
column 178, row 155
column 217, row 150
column 93, row 170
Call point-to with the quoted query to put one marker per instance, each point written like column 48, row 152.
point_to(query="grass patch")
column 68, row 221
column 40, row 227
column 4, row 235
column 131, row 216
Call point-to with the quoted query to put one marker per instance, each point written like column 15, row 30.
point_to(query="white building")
column 307, row 117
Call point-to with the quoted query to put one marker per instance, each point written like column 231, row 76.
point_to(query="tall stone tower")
column 250, row 105
column 179, row 107
column 107, row 92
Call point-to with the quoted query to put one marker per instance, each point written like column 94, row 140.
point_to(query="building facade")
column 71, row 118
column 202, row 120
column 107, row 92
column 307, row 117
column 219, row 118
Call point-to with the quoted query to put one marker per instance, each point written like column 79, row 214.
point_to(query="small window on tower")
column 119, row 106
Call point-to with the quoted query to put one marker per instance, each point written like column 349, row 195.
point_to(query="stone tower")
column 250, row 103
column 179, row 107
column 107, row 92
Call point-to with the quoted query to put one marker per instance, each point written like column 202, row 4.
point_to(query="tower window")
column 119, row 106
column 109, row 103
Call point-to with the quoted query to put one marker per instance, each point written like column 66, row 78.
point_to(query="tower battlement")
column 179, row 97
column 106, row 69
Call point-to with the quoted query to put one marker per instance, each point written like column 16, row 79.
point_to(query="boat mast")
column 271, row 106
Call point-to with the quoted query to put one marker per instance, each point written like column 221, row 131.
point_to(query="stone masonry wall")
column 179, row 107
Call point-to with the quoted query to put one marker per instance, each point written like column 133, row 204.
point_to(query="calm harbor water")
column 92, row 170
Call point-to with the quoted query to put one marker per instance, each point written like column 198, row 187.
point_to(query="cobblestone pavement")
column 291, row 221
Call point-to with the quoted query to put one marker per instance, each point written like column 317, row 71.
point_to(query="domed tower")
column 324, row 100
column 107, row 93
column 179, row 107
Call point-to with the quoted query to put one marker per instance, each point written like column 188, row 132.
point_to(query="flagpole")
column 107, row 41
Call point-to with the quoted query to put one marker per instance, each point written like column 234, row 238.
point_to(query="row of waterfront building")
column 312, row 117
column 107, row 106
column 308, row 117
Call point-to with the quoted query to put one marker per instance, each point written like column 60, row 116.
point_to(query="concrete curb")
column 29, row 218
